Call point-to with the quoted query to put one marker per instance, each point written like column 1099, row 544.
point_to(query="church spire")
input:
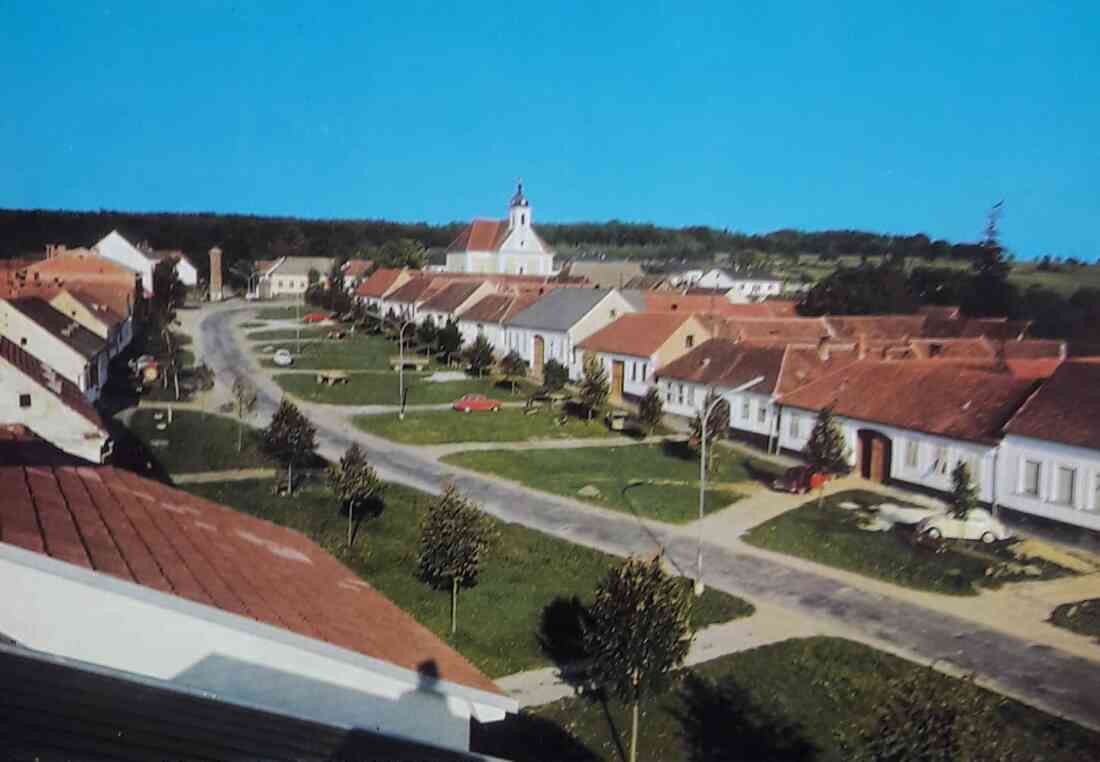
column 519, row 199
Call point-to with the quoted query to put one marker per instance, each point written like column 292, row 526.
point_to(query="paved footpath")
column 1053, row 678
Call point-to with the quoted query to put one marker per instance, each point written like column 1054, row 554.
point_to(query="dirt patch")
column 1032, row 548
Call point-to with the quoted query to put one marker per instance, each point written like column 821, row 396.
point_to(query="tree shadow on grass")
column 721, row 724
column 561, row 637
column 679, row 449
column 528, row 738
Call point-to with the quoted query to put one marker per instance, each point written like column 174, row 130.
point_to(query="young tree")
column 718, row 423
column 554, row 376
column 637, row 632
column 168, row 292
column 244, row 394
column 651, row 410
column 964, row 495
column 291, row 438
column 455, row 537
column 426, row 333
column 594, row 388
column 825, row 449
column 513, row 366
column 357, row 485
column 479, row 356
column 449, row 340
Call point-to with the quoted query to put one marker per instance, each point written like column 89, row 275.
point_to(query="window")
column 680, row 394
column 794, row 425
column 23, row 341
column 689, row 342
column 24, row 400
column 633, row 371
column 645, row 370
column 691, row 395
column 1096, row 493
column 745, row 409
column 668, row 393
column 612, row 314
column 1029, row 478
column 912, row 453
column 762, row 414
column 939, row 460
column 1065, row 485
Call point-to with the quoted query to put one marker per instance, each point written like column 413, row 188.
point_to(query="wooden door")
column 618, row 377
column 874, row 455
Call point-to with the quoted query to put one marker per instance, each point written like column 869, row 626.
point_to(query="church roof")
column 481, row 235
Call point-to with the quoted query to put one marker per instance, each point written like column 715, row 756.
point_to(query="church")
column 508, row 246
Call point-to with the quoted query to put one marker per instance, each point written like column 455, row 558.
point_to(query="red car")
column 799, row 480
column 470, row 402
column 314, row 317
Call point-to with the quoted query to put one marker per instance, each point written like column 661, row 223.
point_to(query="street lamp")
column 401, row 369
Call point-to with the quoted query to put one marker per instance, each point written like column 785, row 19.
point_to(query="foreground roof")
column 939, row 398
column 115, row 522
column 560, row 309
column 61, row 326
column 1065, row 409
column 636, row 334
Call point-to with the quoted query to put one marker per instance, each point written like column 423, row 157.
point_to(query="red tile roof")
column 723, row 362
column 118, row 523
column 877, row 326
column 451, row 297
column 673, row 301
column 59, row 325
column 637, row 335
column 46, row 377
column 98, row 307
column 480, row 235
column 379, row 282
column 1065, row 409
column 779, row 330
column 357, row 268
column 489, row 309
column 803, row 365
column 939, row 398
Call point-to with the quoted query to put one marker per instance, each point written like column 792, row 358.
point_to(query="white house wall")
column 46, row 347
column 1082, row 509
column 638, row 372
column 47, row 416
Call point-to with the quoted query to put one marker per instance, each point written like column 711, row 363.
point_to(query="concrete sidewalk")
column 237, row 474
column 443, row 450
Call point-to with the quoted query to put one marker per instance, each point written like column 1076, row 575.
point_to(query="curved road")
column 1056, row 681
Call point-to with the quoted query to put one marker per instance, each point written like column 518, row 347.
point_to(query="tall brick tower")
column 215, row 274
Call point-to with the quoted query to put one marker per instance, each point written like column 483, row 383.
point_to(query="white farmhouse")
column 508, row 246
column 487, row 316
column 739, row 285
column 116, row 248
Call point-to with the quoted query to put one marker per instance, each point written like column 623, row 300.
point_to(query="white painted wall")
column 72, row 612
column 494, row 334
column 37, row 341
column 638, row 372
column 1081, row 509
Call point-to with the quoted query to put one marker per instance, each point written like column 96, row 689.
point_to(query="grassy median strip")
column 834, row 536
column 381, row 389
column 794, row 701
column 499, row 618
column 653, row 481
column 284, row 334
column 195, row 442
column 505, row 425
column 360, row 352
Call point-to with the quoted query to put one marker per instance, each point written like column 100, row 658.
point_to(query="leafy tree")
column 168, row 292
column 244, row 395
column 718, row 423
column 964, row 495
column 357, row 485
column 864, row 290
column 479, row 356
column 825, row 449
column 513, row 366
column 403, row 252
column 455, row 538
column 291, row 438
column 594, row 388
column 930, row 718
column 554, row 375
column 449, row 340
column 651, row 410
column 638, row 631
column 426, row 333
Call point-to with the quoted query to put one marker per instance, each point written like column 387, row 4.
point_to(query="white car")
column 282, row 358
column 979, row 524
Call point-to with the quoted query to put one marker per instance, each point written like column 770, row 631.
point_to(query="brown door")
column 874, row 455
column 540, row 356
column 617, row 377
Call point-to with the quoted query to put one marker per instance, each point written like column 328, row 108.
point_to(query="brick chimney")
column 216, row 274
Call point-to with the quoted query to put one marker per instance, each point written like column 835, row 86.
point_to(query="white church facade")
column 510, row 246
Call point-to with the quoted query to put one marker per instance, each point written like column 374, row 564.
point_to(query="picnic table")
column 415, row 361
column 332, row 377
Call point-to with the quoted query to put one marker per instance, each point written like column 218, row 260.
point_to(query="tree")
column 718, row 423
column 358, row 487
column 825, row 449
column 479, row 356
column 513, row 366
column 455, row 538
column 554, row 375
column 863, row 290
column 964, row 495
column 651, row 410
column 244, row 394
column 291, row 438
column 449, row 340
column 594, row 388
column 168, row 292
column 404, row 252
column 638, row 630
column 426, row 333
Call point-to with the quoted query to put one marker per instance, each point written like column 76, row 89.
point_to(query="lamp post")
column 401, row 369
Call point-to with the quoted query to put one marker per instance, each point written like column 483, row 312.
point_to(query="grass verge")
column 382, row 389
column 1080, row 616
column 361, row 352
column 506, row 425
column 194, row 442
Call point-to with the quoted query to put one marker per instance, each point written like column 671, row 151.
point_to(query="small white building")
column 289, row 276
column 487, row 316
column 116, row 248
column 739, row 285
column 448, row 303
column 508, row 246
column 380, row 284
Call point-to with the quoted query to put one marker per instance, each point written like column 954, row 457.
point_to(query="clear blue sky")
column 728, row 114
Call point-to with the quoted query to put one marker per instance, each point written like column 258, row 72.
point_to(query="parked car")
column 471, row 402
column 799, row 480
column 979, row 524
column 314, row 317
column 282, row 358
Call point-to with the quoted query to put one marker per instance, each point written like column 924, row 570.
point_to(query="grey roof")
column 560, row 309
column 750, row 274
column 635, row 297
column 302, row 266
column 60, row 325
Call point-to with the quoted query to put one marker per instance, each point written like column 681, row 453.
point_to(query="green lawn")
column 795, row 701
column 1080, row 616
column 361, row 352
column 506, row 425
column 381, row 389
column 498, row 619
column 286, row 312
column 654, row 481
column 284, row 334
column 197, row 442
column 832, row 536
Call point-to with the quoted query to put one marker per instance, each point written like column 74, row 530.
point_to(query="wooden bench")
column 415, row 361
column 332, row 377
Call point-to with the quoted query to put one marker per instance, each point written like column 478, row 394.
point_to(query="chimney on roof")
column 861, row 346
column 823, row 349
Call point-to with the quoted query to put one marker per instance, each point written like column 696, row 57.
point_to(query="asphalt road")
column 1060, row 683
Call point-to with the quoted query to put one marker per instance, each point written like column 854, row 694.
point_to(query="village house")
column 134, row 578
column 738, row 285
column 404, row 302
column 289, row 276
column 117, row 249
column 97, row 316
column 57, row 340
column 380, row 284
column 551, row 327
column 604, row 273
column 508, row 246
column 486, row 317
column 34, row 395
column 448, row 303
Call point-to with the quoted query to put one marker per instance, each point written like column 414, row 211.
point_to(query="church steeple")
column 519, row 209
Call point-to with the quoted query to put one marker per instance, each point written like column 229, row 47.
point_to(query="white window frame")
column 761, row 413
column 939, row 459
column 1056, row 495
column 746, row 409
column 1022, row 487
column 794, row 427
column 912, row 454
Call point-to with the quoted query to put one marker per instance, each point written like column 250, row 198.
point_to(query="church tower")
column 519, row 211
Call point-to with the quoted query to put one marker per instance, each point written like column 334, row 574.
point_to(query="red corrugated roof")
column 118, row 523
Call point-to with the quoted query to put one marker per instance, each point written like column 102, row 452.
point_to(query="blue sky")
column 751, row 116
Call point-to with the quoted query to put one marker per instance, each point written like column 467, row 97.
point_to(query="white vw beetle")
column 282, row 358
column 979, row 524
